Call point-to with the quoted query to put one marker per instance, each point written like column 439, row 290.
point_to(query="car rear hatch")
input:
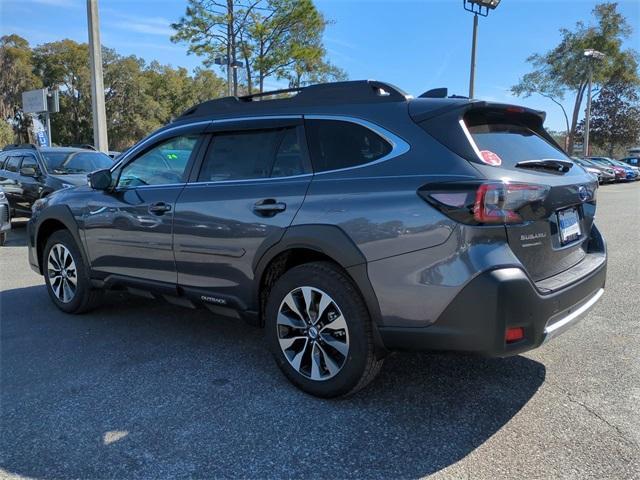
column 545, row 201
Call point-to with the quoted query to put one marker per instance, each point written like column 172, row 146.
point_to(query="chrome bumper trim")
column 560, row 326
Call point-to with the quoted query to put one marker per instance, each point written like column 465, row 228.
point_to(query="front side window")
column 253, row 154
column 29, row 162
column 337, row 144
column 163, row 164
column 13, row 164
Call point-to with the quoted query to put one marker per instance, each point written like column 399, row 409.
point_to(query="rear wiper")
column 547, row 164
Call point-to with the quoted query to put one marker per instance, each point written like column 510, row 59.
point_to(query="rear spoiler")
column 423, row 110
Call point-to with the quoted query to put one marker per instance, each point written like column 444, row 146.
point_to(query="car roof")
column 338, row 97
column 65, row 149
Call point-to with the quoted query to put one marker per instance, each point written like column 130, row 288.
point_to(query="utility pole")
column 591, row 55
column 587, row 117
column 473, row 55
column 97, row 82
column 229, row 79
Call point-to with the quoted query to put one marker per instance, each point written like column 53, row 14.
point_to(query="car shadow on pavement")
column 141, row 390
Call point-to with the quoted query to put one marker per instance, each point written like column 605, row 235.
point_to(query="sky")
column 416, row 45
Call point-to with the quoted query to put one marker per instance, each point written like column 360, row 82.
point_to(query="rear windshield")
column 512, row 143
column 65, row 163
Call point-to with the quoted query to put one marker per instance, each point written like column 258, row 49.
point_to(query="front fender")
column 50, row 219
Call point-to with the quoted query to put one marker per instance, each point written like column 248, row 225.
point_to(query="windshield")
column 64, row 163
column 620, row 164
column 602, row 161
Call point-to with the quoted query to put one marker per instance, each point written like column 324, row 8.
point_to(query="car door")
column 252, row 181
column 9, row 182
column 29, row 185
column 128, row 229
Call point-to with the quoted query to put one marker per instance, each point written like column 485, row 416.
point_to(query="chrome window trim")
column 470, row 139
column 398, row 145
column 249, row 180
column 160, row 185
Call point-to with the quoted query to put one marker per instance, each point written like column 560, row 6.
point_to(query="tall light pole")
column 591, row 54
column 231, row 65
column 97, row 82
column 477, row 7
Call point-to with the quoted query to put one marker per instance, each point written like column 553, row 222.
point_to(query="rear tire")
column 3, row 238
column 67, row 276
column 320, row 332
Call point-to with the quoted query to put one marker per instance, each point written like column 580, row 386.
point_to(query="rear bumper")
column 476, row 320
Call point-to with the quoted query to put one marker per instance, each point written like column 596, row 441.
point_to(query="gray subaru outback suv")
column 349, row 220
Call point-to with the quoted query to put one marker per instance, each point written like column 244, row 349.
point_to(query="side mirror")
column 100, row 179
column 28, row 172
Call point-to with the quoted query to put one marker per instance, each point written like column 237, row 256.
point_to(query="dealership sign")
column 34, row 101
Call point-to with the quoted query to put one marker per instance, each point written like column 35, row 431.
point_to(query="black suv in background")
column 28, row 173
column 348, row 220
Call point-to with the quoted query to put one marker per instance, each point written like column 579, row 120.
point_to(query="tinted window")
column 336, row 144
column 163, row 164
column 13, row 163
column 253, row 154
column 29, row 162
column 3, row 159
column 74, row 161
column 289, row 158
column 513, row 143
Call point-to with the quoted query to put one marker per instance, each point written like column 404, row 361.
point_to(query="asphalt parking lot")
column 143, row 390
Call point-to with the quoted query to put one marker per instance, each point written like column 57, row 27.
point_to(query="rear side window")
column 13, row 164
column 253, row 154
column 512, row 143
column 336, row 144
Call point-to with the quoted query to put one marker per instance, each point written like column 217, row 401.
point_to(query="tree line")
column 140, row 97
column 562, row 73
column 274, row 39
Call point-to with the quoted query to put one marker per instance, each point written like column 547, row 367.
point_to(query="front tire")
column 66, row 275
column 320, row 332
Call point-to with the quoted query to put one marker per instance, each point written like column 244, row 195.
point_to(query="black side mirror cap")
column 28, row 172
column 100, row 179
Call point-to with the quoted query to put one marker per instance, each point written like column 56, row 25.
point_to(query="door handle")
column 159, row 208
column 269, row 207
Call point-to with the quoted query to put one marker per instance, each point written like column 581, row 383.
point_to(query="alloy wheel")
column 62, row 273
column 313, row 333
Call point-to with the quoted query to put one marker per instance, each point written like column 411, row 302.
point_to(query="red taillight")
column 500, row 202
column 486, row 203
column 514, row 334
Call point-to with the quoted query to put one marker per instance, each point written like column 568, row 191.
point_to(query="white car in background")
column 5, row 217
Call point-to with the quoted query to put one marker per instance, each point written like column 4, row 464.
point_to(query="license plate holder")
column 569, row 225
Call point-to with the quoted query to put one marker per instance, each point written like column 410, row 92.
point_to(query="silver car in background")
column 5, row 217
